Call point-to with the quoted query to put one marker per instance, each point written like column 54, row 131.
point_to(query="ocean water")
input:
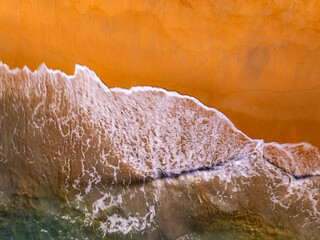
column 79, row 160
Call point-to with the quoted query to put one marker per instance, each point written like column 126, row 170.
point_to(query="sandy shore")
column 256, row 61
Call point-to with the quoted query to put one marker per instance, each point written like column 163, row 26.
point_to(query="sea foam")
column 103, row 149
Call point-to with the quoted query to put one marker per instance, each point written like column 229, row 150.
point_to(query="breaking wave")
column 146, row 160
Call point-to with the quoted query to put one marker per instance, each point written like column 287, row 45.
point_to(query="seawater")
column 246, row 199
column 81, row 161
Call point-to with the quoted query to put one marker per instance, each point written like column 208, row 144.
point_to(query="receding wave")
column 146, row 162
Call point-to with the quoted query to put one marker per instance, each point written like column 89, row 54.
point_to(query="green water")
column 34, row 219
column 28, row 219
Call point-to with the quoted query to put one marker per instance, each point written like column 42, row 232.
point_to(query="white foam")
column 98, row 139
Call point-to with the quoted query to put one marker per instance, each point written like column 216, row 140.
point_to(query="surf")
column 99, row 149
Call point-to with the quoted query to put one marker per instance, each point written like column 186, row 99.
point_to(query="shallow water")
column 246, row 199
column 81, row 161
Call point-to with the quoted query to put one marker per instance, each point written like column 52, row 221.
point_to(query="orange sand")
column 256, row 61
